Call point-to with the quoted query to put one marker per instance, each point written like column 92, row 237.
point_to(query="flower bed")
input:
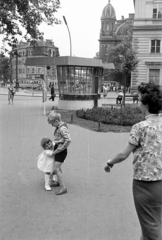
column 126, row 116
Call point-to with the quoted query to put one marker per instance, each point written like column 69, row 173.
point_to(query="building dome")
column 109, row 11
column 124, row 29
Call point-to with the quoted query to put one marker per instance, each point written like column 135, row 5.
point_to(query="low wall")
column 75, row 105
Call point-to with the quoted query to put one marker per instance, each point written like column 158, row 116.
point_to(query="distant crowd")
column 116, row 87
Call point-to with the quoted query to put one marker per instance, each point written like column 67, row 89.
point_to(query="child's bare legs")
column 60, row 179
column 47, row 182
column 12, row 99
column 59, row 174
column 55, row 178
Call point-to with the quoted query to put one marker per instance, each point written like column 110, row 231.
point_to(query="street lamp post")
column 69, row 35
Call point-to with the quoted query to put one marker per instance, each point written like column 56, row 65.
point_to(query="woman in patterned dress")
column 146, row 144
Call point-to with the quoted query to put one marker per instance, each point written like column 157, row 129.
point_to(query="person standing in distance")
column 11, row 93
column 146, row 144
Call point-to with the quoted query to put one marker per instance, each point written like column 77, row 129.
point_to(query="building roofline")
column 67, row 61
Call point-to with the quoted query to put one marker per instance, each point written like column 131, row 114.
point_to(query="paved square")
column 98, row 205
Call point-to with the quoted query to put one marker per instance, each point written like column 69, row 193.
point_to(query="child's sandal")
column 61, row 191
column 54, row 184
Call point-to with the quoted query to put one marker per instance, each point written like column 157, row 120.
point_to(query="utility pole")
column 16, row 69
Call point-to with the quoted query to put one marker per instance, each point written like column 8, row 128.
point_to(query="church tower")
column 108, row 20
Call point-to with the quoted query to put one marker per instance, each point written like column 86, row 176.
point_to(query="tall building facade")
column 112, row 31
column 147, row 41
column 21, row 72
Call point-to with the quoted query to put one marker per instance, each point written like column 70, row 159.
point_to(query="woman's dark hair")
column 151, row 96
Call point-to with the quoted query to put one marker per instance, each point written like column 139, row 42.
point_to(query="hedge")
column 126, row 116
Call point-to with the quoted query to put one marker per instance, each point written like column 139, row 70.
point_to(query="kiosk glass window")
column 75, row 80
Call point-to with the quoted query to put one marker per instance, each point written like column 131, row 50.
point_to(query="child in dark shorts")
column 61, row 140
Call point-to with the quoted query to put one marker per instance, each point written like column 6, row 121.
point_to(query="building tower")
column 108, row 20
column 112, row 32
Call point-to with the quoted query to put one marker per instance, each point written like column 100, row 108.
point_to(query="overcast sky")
column 84, row 21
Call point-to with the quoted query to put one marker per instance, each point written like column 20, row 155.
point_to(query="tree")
column 124, row 58
column 27, row 14
column 4, row 68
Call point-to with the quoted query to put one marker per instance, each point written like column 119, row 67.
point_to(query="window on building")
column 155, row 46
column 154, row 76
column 157, row 13
column 49, row 52
column 112, row 26
column 23, row 70
column 39, row 70
column 28, row 70
column 107, row 27
column 32, row 70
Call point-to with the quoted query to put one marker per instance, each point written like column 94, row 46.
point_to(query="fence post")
column 99, row 126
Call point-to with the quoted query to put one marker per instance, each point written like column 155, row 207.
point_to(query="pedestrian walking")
column 60, row 148
column 45, row 161
column 52, row 93
column 146, row 144
column 11, row 93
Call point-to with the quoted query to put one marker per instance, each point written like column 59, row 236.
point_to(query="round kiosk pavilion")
column 79, row 80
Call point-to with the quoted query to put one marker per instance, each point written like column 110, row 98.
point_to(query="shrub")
column 126, row 116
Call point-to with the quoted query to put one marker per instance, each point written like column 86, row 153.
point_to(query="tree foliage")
column 16, row 15
column 123, row 56
column 4, row 68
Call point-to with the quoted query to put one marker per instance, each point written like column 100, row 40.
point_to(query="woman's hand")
column 108, row 166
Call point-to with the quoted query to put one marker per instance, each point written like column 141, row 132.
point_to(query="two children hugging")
column 54, row 153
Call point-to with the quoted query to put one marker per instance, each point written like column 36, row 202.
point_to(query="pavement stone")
column 98, row 205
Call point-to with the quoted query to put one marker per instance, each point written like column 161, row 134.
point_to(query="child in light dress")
column 45, row 161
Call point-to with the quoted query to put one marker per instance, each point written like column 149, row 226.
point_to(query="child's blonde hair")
column 44, row 141
column 54, row 116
